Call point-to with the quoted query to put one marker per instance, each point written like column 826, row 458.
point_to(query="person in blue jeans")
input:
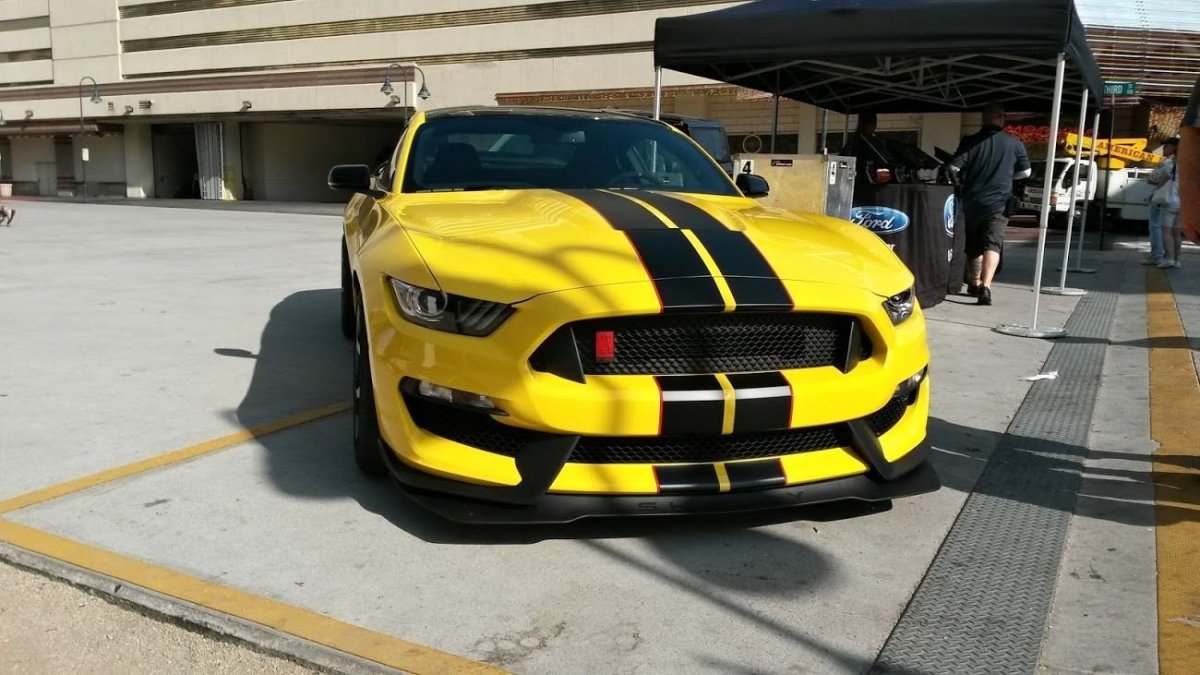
column 1157, row 252
column 1164, row 207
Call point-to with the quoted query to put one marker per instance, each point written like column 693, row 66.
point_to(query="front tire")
column 348, row 305
column 368, row 451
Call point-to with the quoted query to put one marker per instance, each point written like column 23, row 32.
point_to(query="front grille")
column 483, row 432
column 715, row 343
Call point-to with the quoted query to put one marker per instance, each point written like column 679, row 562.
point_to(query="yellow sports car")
column 559, row 314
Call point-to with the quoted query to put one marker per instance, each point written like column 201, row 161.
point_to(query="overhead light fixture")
column 387, row 89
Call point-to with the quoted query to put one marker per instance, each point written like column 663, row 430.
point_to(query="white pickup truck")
column 1128, row 191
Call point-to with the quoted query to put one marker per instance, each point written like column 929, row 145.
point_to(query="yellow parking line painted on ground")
column 167, row 459
column 302, row 623
column 1174, row 423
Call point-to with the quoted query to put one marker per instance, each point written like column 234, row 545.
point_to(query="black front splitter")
column 447, row 499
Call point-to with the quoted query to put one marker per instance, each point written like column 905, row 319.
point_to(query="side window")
column 1068, row 176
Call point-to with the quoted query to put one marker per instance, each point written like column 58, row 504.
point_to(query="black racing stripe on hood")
column 679, row 274
column 621, row 213
column 683, row 214
column 752, row 280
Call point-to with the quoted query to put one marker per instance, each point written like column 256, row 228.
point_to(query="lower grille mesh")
column 483, row 432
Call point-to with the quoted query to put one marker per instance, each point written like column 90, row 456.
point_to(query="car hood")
column 511, row 245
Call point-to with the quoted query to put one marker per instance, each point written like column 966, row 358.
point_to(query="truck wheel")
column 368, row 451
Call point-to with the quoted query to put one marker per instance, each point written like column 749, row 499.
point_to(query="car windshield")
column 1039, row 172
column 515, row 151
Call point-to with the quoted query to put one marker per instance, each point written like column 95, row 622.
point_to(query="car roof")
column 671, row 118
column 499, row 111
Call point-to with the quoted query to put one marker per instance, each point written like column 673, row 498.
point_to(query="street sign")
column 1120, row 88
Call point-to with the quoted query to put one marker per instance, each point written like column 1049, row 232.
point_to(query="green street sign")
column 1120, row 88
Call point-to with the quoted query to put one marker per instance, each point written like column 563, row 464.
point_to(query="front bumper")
column 543, row 462
column 468, row 503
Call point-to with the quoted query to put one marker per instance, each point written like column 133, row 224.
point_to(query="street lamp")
column 387, row 88
column 95, row 99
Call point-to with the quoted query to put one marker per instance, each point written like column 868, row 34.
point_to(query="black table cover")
column 923, row 225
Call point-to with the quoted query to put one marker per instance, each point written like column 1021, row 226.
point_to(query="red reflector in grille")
column 606, row 346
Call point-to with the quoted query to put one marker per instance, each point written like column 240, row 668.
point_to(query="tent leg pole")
column 775, row 124
column 1087, row 202
column 1032, row 329
column 825, row 132
column 658, row 92
column 1112, row 130
column 845, row 133
column 1062, row 282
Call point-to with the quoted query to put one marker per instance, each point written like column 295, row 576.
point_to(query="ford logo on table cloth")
column 880, row 219
column 949, row 211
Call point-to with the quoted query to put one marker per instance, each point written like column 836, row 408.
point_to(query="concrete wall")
column 25, row 36
column 106, row 164
column 106, row 158
column 27, row 153
column 139, row 161
column 290, row 162
column 85, row 38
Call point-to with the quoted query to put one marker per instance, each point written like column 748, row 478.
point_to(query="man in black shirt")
column 869, row 150
column 986, row 164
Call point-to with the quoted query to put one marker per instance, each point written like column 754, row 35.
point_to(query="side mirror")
column 353, row 177
column 753, row 185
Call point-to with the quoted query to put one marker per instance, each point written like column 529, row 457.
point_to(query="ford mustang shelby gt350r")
column 559, row 314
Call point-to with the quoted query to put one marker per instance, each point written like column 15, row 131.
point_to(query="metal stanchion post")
column 1112, row 132
column 1032, row 330
column 1062, row 288
column 1087, row 205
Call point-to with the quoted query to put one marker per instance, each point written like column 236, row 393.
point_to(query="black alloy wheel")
column 368, row 451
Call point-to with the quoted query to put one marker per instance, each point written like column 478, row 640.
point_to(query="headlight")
column 900, row 306
column 449, row 313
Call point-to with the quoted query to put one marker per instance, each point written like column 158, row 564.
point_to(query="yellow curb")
column 1175, row 424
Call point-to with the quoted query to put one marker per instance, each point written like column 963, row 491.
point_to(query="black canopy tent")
column 895, row 56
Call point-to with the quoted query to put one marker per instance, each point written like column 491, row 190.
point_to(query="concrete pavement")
column 132, row 332
column 49, row 627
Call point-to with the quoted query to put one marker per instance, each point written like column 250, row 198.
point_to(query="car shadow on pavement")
column 1121, row 495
